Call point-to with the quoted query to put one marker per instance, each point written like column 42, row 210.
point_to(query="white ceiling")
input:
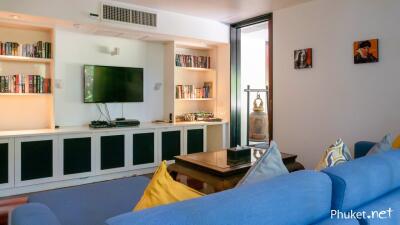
column 226, row 11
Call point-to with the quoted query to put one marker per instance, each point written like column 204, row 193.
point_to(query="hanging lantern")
column 258, row 121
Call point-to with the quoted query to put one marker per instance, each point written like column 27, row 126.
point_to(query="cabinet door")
column 35, row 160
column 143, row 148
column 170, row 144
column 112, row 152
column 77, row 155
column 194, row 140
column 4, row 163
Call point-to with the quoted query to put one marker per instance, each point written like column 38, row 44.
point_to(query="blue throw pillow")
column 268, row 166
column 383, row 146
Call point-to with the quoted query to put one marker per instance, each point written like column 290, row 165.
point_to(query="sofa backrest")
column 92, row 204
column 302, row 197
column 364, row 179
column 33, row 214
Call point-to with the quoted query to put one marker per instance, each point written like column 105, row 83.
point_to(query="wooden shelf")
column 25, row 94
column 195, row 69
column 39, row 104
column 194, row 76
column 24, row 59
column 194, row 99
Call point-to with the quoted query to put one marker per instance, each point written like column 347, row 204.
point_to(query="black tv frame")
column 96, row 102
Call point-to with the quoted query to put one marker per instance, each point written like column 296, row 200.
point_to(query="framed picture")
column 366, row 51
column 303, row 58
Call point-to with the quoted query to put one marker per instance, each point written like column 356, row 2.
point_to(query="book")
column 9, row 48
column 39, row 49
column 191, row 92
column 182, row 60
column 20, row 83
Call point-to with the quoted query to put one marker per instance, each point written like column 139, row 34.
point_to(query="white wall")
column 73, row 50
column 335, row 98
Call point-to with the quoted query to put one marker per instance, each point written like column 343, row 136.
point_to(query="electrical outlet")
column 58, row 84
column 157, row 86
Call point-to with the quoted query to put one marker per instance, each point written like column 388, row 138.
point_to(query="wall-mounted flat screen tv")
column 112, row 84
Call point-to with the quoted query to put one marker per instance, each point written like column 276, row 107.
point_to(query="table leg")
column 173, row 174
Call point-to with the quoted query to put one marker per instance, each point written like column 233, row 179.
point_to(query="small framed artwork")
column 303, row 58
column 366, row 51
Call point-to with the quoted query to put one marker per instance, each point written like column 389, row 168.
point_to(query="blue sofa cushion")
column 92, row 204
column 364, row 179
column 383, row 204
column 302, row 197
column 33, row 214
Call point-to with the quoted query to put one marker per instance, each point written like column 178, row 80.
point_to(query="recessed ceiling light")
column 16, row 17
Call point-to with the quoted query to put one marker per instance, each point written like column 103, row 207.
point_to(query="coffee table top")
column 216, row 161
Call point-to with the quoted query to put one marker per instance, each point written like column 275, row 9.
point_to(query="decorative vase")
column 258, row 121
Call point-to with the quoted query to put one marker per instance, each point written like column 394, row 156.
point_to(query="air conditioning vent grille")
column 129, row 15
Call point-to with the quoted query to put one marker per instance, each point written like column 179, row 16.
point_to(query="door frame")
column 235, row 52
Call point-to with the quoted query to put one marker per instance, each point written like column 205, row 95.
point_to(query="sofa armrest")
column 361, row 148
column 33, row 214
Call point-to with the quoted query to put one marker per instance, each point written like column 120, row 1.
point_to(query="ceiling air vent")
column 126, row 15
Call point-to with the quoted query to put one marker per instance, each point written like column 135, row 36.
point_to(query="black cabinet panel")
column 143, row 148
column 3, row 163
column 36, row 159
column 195, row 141
column 112, row 151
column 171, row 144
column 77, row 155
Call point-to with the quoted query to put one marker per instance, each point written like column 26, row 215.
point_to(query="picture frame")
column 303, row 58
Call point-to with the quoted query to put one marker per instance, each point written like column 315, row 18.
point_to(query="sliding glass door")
column 251, row 82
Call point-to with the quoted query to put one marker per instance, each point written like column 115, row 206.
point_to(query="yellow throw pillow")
column 163, row 190
column 396, row 143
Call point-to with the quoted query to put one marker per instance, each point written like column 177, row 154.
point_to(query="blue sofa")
column 369, row 184
column 303, row 197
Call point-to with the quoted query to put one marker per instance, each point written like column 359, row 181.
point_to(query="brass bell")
column 258, row 121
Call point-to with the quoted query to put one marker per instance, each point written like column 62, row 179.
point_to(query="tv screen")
column 113, row 84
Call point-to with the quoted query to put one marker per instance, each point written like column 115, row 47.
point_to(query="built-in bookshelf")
column 26, row 76
column 191, row 81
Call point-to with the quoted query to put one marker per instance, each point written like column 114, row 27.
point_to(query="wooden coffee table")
column 209, row 172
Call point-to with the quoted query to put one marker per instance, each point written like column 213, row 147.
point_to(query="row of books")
column 192, row 61
column 191, row 92
column 20, row 83
column 40, row 49
column 9, row 48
